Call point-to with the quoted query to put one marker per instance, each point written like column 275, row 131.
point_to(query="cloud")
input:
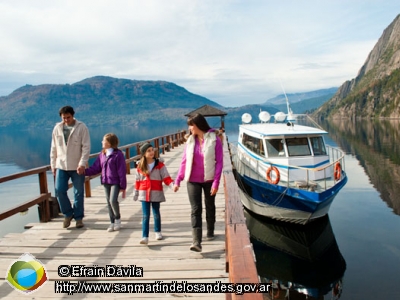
column 233, row 52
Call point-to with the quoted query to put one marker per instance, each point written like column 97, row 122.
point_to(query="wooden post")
column 163, row 145
column 127, row 156
column 88, row 189
column 169, row 143
column 44, row 207
column 157, row 148
column 173, row 136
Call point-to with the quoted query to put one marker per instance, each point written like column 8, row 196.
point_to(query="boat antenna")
column 287, row 100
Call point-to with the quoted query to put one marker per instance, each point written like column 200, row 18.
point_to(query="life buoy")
column 337, row 171
column 278, row 176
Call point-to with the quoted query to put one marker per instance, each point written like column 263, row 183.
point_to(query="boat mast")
column 290, row 116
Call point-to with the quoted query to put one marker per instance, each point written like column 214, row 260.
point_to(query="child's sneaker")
column 110, row 228
column 159, row 236
column 117, row 225
column 144, row 241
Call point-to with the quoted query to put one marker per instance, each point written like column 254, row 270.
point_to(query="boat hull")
column 297, row 260
column 283, row 203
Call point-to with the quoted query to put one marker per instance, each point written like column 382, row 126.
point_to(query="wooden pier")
column 227, row 258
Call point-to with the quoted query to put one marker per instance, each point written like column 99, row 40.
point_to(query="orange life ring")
column 278, row 175
column 337, row 171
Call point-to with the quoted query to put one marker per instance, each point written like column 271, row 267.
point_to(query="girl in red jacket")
column 150, row 174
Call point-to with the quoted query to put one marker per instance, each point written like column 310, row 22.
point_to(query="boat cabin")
column 285, row 146
column 289, row 148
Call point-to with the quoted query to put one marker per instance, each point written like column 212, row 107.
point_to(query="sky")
column 231, row 52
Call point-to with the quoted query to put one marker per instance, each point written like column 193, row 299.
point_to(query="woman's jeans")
column 61, row 187
column 146, row 217
column 195, row 197
column 112, row 191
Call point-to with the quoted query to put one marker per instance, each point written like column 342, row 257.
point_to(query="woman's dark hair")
column 66, row 110
column 199, row 121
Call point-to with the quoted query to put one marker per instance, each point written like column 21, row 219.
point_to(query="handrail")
column 24, row 173
column 44, row 199
column 337, row 155
column 310, row 169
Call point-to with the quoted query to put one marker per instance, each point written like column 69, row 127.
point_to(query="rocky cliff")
column 375, row 92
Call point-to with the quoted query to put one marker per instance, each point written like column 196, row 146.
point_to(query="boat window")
column 275, row 148
column 253, row 144
column 318, row 146
column 298, row 146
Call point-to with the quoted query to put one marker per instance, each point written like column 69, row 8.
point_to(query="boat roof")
column 280, row 129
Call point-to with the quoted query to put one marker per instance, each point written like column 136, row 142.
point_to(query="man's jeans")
column 62, row 177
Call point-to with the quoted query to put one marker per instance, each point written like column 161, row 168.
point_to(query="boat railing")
column 333, row 172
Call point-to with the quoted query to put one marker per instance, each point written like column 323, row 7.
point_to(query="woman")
column 201, row 167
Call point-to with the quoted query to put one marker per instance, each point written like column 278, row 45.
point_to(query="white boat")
column 284, row 170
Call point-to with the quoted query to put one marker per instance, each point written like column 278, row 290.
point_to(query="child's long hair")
column 142, row 164
column 112, row 139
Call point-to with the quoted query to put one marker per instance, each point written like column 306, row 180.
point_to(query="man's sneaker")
column 159, row 236
column 144, row 241
column 67, row 222
column 117, row 225
column 195, row 247
column 111, row 228
column 79, row 224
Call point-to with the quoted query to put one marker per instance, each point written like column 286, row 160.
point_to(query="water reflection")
column 376, row 145
column 300, row 262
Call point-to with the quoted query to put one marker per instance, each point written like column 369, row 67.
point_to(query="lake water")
column 354, row 253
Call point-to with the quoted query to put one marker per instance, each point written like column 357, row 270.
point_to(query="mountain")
column 99, row 101
column 108, row 101
column 300, row 97
column 307, row 105
column 375, row 92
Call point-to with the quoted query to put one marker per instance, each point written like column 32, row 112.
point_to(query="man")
column 69, row 155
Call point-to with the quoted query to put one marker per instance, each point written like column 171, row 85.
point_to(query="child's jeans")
column 146, row 217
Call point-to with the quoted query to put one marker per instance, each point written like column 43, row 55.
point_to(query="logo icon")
column 26, row 274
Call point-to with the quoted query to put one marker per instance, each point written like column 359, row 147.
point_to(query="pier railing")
column 46, row 201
